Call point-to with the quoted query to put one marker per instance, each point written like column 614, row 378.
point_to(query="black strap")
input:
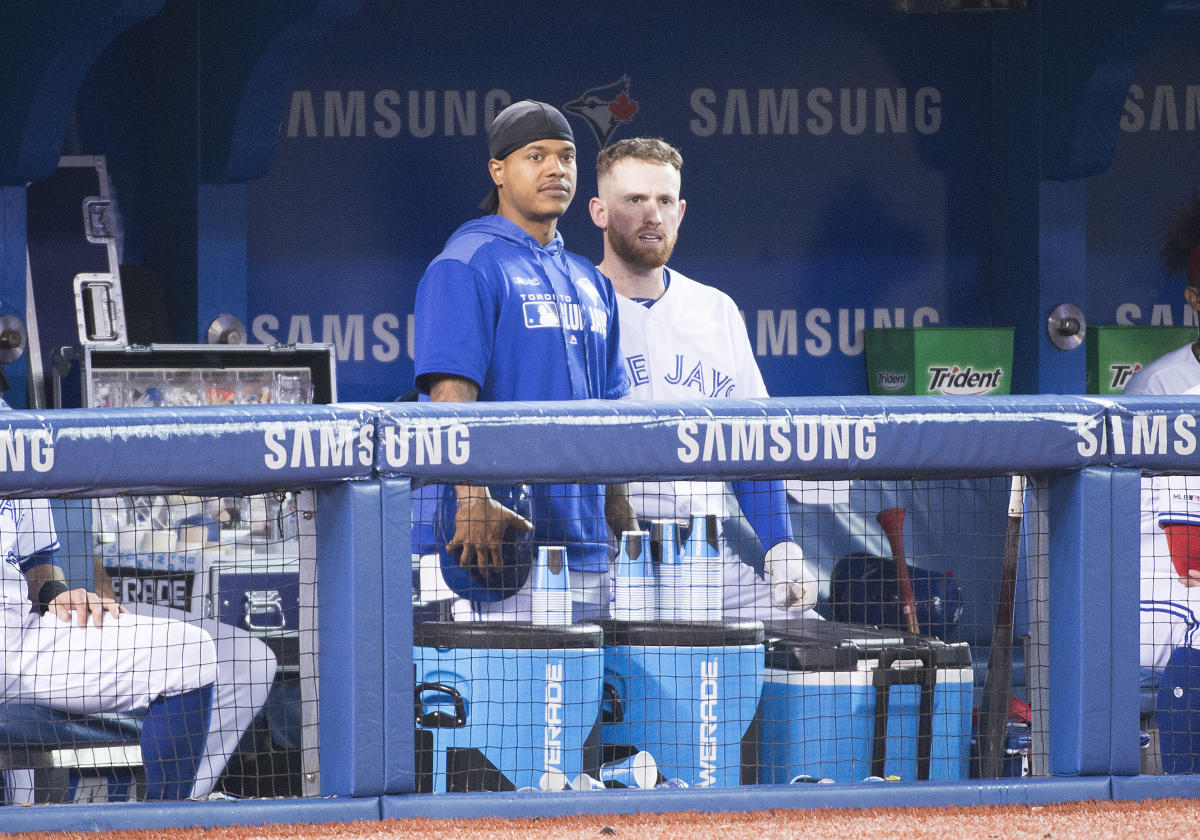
column 50, row 590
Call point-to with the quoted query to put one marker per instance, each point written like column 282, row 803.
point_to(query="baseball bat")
column 997, row 681
column 892, row 521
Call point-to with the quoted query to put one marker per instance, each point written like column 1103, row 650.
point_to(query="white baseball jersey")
column 1170, row 610
column 1176, row 372
column 690, row 345
column 124, row 664
column 26, row 528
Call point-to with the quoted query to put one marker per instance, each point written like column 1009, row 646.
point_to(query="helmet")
column 488, row 583
column 864, row 590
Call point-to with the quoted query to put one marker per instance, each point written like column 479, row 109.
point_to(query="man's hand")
column 85, row 605
column 1193, row 578
column 480, row 527
column 793, row 586
column 618, row 511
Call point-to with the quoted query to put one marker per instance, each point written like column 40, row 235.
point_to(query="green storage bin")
column 950, row 361
column 1114, row 353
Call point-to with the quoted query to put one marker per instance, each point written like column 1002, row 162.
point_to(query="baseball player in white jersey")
column 1170, row 603
column 245, row 671
column 683, row 340
column 75, row 651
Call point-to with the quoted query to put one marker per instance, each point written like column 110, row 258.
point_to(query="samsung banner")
column 837, row 170
column 831, row 168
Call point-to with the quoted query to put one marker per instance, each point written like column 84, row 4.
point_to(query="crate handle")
column 263, row 602
column 439, row 719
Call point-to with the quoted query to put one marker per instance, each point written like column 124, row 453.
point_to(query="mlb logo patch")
column 540, row 314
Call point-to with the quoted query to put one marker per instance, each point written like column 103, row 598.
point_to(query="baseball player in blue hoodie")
column 505, row 312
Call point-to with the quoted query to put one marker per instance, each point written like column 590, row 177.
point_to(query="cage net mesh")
column 201, row 686
column 699, row 649
column 1170, row 669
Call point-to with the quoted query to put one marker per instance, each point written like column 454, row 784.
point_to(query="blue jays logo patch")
column 605, row 108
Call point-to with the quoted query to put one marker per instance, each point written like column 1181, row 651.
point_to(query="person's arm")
column 102, row 581
column 618, row 510
column 481, row 522
column 48, row 590
column 764, row 503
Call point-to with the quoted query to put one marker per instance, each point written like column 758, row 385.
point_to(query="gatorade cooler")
column 1116, row 353
column 504, row 706
column 951, row 361
column 685, row 692
column 844, row 702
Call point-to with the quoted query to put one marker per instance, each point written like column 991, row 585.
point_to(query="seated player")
column 245, row 672
column 1170, row 597
column 75, row 651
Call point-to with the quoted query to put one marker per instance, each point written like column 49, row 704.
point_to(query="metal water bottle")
column 551, row 596
column 634, row 590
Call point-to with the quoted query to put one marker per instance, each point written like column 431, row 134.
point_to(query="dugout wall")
column 1085, row 455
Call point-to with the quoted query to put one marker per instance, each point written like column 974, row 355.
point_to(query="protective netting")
column 736, row 633
column 202, row 686
column 1170, row 602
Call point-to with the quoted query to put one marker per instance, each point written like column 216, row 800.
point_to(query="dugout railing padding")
column 362, row 460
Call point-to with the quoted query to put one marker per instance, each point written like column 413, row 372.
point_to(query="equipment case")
column 245, row 576
column 846, row 702
column 113, row 376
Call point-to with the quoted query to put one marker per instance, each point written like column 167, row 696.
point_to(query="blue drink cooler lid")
column 686, row 634
column 505, row 635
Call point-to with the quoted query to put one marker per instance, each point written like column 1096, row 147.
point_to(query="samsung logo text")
column 779, row 440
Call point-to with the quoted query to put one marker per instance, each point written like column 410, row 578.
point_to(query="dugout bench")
column 53, row 744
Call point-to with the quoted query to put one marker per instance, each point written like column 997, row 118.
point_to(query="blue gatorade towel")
column 844, row 702
column 504, row 706
column 683, row 692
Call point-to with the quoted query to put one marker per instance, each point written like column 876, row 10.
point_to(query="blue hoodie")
column 526, row 322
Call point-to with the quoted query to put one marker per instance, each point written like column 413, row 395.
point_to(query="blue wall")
column 298, row 163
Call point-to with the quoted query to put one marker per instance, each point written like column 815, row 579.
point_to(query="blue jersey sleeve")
column 765, row 505
column 616, row 381
column 455, row 323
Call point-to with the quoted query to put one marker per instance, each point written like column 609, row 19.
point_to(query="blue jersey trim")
column 47, row 555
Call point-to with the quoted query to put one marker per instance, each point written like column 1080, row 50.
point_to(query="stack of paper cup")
column 701, row 563
column 664, row 549
column 634, row 590
column 551, row 596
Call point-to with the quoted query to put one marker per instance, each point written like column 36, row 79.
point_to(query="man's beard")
column 633, row 251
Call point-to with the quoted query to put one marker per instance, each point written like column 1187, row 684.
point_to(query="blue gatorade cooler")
column 844, row 702
column 685, row 692
column 505, row 706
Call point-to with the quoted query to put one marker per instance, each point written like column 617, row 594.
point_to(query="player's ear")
column 682, row 208
column 494, row 168
column 598, row 212
column 1192, row 295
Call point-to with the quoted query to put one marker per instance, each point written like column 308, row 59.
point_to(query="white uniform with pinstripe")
column 1170, row 610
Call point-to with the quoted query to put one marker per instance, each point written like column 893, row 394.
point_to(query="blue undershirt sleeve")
column 765, row 505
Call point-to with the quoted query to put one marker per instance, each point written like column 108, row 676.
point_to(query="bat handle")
column 892, row 522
